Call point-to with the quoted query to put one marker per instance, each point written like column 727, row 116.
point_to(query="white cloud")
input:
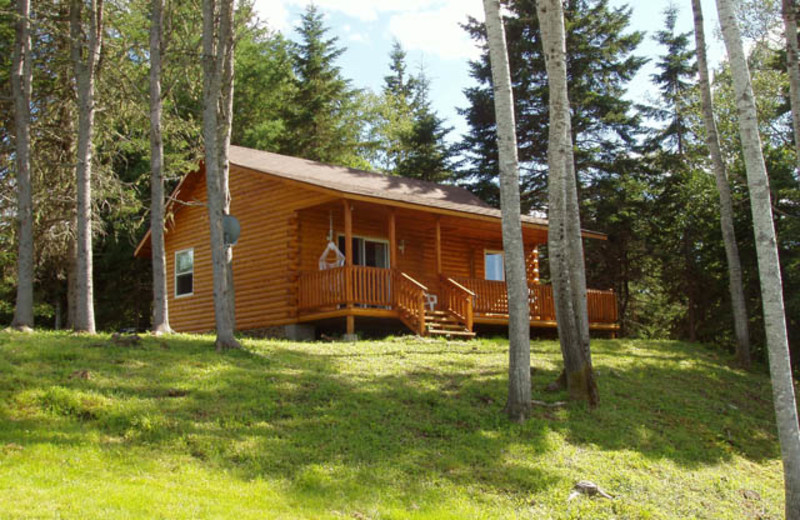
column 430, row 26
column 358, row 38
column 438, row 31
column 275, row 14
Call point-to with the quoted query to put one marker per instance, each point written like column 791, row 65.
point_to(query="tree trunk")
column 735, row 286
column 768, row 264
column 790, row 30
column 21, row 86
column 565, row 245
column 518, row 406
column 159, row 260
column 224, row 140
column 72, row 282
column 85, row 57
column 217, row 99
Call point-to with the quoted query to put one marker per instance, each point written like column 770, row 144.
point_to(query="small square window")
column 493, row 265
column 184, row 272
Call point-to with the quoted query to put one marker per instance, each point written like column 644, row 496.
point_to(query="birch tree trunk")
column 735, row 286
column 85, row 57
column 217, row 112
column 565, row 245
column 789, row 9
column 21, row 87
column 768, row 265
column 519, row 378
column 159, row 260
column 72, row 280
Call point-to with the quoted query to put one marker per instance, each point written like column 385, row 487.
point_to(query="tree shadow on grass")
column 336, row 432
column 288, row 415
column 681, row 403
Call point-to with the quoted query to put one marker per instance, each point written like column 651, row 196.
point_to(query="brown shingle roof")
column 358, row 182
column 363, row 183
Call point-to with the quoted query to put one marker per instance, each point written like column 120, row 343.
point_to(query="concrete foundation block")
column 300, row 332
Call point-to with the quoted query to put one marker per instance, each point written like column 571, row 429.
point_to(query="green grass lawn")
column 401, row 428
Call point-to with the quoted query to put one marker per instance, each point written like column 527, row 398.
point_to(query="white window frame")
column 362, row 247
column 502, row 271
column 176, row 273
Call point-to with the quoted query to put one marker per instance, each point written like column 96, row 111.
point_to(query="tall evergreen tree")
column 674, row 78
column 399, row 83
column 410, row 136
column 319, row 123
column 604, row 126
column 395, row 118
column 673, row 234
column 425, row 154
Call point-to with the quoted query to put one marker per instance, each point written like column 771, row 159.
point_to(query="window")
column 373, row 252
column 493, row 265
column 184, row 273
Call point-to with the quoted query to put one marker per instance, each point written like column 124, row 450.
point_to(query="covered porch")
column 426, row 269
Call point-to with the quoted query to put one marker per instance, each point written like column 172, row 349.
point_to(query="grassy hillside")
column 397, row 429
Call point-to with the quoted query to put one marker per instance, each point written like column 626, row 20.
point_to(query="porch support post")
column 351, row 328
column 392, row 239
column 348, row 270
column 348, row 252
column 439, row 245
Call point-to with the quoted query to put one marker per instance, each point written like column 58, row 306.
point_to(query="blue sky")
column 429, row 31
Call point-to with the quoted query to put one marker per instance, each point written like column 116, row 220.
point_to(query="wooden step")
column 446, row 326
column 442, row 319
column 461, row 333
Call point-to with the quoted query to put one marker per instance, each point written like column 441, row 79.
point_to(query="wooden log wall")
column 285, row 229
column 265, row 261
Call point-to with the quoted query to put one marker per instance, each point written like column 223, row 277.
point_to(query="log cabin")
column 322, row 244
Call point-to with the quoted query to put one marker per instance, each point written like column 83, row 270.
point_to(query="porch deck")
column 377, row 292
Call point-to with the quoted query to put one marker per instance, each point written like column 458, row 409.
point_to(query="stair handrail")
column 458, row 301
column 404, row 275
column 415, row 307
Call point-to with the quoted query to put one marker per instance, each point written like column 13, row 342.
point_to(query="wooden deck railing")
column 328, row 288
column 371, row 285
column 602, row 306
column 320, row 289
column 540, row 299
column 490, row 296
column 492, row 299
column 457, row 300
column 464, row 298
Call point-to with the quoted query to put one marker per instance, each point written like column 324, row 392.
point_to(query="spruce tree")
column 398, row 83
column 395, row 112
column 410, row 134
column 604, row 125
column 674, row 79
column 426, row 154
column 675, row 165
column 319, row 124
